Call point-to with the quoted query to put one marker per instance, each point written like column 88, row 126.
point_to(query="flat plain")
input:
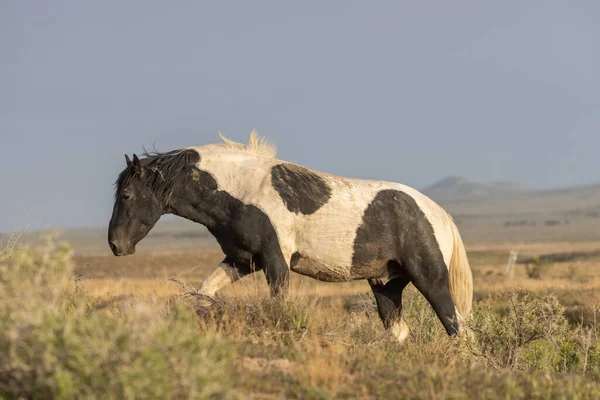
column 534, row 335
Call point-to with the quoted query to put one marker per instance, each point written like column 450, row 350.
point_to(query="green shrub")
column 526, row 334
column 53, row 345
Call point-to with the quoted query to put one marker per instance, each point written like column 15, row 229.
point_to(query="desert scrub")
column 526, row 334
column 54, row 345
column 259, row 318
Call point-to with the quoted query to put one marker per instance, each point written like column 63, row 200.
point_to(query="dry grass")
column 325, row 342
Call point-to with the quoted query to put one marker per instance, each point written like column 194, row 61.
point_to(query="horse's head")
column 137, row 208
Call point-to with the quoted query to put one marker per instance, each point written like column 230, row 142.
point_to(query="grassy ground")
column 123, row 330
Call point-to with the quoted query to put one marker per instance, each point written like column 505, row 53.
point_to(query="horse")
column 276, row 216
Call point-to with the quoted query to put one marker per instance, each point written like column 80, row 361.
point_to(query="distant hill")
column 570, row 201
column 511, row 213
column 454, row 188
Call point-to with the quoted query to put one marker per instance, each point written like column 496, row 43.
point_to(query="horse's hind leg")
column 389, row 305
column 432, row 282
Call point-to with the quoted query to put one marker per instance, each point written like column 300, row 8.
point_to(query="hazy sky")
column 395, row 90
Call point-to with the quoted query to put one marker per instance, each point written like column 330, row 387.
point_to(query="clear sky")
column 398, row 90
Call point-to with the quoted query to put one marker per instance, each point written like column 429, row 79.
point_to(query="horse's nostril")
column 113, row 247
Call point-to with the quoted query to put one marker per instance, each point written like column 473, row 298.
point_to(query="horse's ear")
column 128, row 160
column 137, row 166
column 192, row 158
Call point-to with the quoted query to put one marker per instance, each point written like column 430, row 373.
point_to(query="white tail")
column 461, row 278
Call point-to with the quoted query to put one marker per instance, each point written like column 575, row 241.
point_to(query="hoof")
column 204, row 304
column 202, row 311
column 400, row 331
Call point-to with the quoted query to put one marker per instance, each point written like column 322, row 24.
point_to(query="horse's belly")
column 318, row 270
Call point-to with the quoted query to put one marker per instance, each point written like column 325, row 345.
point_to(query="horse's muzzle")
column 119, row 249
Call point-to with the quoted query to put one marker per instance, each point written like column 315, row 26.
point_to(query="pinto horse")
column 275, row 216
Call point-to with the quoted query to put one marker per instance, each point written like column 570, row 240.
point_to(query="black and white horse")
column 276, row 216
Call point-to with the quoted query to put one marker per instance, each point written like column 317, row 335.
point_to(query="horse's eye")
column 126, row 195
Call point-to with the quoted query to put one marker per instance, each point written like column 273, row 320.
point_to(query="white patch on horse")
column 400, row 330
column 219, row 278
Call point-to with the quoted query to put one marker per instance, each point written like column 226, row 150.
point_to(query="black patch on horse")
column 295, row 259
column 397, row 239
column 244, row 232
column 302, row 190
column 394, row 229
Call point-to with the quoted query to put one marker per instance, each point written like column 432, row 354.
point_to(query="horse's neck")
column 236, row 181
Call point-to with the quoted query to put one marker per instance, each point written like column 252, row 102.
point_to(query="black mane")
column 160, row 171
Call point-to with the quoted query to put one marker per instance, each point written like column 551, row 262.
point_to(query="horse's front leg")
column 277, row 273
column 225, row 274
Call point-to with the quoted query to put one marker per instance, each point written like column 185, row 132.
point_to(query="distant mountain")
column 455, row 188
